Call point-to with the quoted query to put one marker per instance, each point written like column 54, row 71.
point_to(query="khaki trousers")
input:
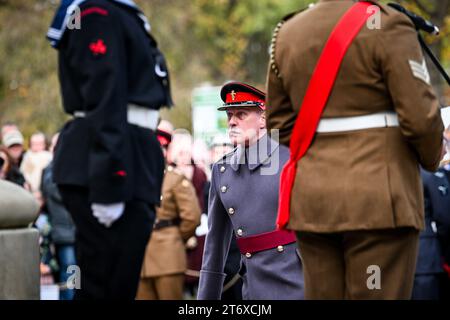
column 168, row 287
column 374, row 264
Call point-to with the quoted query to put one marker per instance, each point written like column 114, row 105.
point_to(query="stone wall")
column 19, row 244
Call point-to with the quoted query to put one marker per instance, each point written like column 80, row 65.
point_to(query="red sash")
column 317, row 93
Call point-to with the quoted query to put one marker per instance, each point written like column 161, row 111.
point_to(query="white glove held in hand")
column 106, row 214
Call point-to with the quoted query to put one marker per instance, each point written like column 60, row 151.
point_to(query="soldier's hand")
column 106, row 214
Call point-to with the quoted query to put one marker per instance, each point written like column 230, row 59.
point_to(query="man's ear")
column 262, row 120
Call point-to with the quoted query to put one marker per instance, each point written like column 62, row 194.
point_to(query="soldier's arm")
column 188, row 207
column 217, row 245
column 96, row 53
column 407, row 78
column 280, row 113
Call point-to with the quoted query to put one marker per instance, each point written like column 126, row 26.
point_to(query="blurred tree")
column 212, row 41
column 29, row 89
column 236, row 35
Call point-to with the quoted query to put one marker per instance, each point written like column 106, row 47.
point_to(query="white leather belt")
column 375, row 120
column 137, row 115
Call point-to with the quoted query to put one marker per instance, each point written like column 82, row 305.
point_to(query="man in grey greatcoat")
column 244, row 199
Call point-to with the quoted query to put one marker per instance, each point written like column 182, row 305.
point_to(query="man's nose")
column 232, row 121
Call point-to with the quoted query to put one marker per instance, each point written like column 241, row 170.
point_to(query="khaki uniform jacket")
column 166, row 252
column 366, row 179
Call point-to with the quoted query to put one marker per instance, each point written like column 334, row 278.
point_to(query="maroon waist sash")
column 265, row 241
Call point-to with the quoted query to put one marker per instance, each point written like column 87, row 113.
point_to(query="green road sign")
column 207, row 122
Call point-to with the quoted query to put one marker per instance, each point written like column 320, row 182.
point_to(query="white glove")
column 106, row 214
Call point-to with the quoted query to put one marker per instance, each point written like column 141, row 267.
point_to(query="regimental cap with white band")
column 240, row 95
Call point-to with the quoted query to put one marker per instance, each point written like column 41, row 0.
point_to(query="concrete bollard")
column 19, row 244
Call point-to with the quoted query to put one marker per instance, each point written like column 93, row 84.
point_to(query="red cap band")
column 236, row 97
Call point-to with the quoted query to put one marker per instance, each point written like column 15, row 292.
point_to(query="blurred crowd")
column 28, row 163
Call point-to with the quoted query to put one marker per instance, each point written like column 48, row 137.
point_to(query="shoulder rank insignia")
column 420, row 70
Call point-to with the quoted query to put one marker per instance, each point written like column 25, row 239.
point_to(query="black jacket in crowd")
column 431, row 282
column 63, row 228
column 437, row 206
column 109, row 62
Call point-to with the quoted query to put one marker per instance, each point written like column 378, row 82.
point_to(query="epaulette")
column 273, row 42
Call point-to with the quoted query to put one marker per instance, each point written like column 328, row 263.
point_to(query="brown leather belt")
column 161, row 224
column 265, row 241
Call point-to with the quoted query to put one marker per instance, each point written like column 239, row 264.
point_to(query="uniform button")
column 248, row 255
column 185, row 183
column 222, row 169
column 231, row 211
column 280, row 248
column 223, row 189
column 160, row 198
column 240, row 232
